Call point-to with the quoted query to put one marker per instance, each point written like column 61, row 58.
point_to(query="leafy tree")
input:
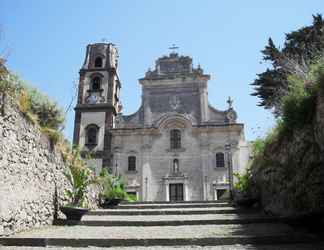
column 301, row 48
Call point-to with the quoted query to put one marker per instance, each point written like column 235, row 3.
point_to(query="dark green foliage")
column 79, row 177
column 113, row 187
column 301, row 48
column 287, row 164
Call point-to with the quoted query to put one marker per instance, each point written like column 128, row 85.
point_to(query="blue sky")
column 45, row 42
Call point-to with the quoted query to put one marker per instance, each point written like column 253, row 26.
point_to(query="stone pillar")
column 146, row 107
column 186, row 191
column 204, row 103
column 204, row 171
column 167, row 196
column 146, row 172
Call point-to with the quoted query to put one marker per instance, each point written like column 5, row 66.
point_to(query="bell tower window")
column 92, row 135
column 175, row 139
column 96, row 82
column 98, row 62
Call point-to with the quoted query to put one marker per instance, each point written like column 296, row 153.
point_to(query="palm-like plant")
column 80, row 178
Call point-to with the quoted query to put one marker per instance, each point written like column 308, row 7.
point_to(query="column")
column 204, row 167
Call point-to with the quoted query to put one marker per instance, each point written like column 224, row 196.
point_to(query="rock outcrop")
column 289, row 177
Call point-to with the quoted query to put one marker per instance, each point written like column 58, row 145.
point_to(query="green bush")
column 243, row 182
column 113, row 187
column 36, row 106
column 298, row 105
column 79, row 177
column 48, row 113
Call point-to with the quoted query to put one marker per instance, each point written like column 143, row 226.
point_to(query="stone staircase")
column 165, row 224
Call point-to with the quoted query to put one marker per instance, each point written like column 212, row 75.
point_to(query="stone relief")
column 174, row 102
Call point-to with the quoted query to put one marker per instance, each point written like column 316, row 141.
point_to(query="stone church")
column 176, row 147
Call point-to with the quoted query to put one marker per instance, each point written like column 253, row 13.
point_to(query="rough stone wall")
column 289, row 176
column 31, row 175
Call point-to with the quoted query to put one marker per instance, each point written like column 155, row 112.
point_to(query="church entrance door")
column 176, row 192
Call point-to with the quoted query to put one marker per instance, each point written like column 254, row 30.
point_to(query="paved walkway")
column 148, row 226
column 228, row 247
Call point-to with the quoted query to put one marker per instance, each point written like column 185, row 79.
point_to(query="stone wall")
column 31, row 174
column 289, row 177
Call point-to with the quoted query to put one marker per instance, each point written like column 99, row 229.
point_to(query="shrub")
column 79, row 177
column 113, row 187
column 298, row 105
column 36, row 107
column 243, row 183
column 48, row 113
column 52, row 134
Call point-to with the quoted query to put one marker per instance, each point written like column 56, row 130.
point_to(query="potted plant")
column 113, row 191
column 79, row 177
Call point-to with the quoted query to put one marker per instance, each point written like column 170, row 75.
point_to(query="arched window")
column 175, row 166
column 95, row 84
column 220, row 160
column 92, row 135
column 175, row 138
column 98, row 62
column 132, row 163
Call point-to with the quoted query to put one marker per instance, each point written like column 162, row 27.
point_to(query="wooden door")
column 176, row 192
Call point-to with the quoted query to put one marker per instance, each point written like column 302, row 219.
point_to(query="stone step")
column 172, row 211
column 174, row 202
column 171, row 205
column 212, row 235
column 170, row 220
column 297, row 246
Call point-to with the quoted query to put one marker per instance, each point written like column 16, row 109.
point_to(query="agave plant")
column 80, row 178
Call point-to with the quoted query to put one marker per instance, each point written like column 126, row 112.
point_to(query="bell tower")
column 97, row 104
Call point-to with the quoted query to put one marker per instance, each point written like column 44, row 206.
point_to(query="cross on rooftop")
column 173, row 48
column 230, row 102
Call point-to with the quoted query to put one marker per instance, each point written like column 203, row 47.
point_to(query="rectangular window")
column 175, row 139
column 220, row 161
column 131, row 163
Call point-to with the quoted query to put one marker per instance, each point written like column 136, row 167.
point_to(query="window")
column 92, row 135
column 220, row 161
column 96, row 82
column 98, row 62
column 131, row 163
column 175, row 138
column 175, row 166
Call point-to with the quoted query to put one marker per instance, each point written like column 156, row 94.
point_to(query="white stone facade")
column 160, row 166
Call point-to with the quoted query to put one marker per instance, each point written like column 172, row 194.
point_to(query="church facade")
column 176, row 146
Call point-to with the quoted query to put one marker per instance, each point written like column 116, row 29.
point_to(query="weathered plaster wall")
column 197, row 161
column 31, row 175
column 289, row 178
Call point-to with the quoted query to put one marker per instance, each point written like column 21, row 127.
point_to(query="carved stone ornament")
column 231, row 116
column 174, row 102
